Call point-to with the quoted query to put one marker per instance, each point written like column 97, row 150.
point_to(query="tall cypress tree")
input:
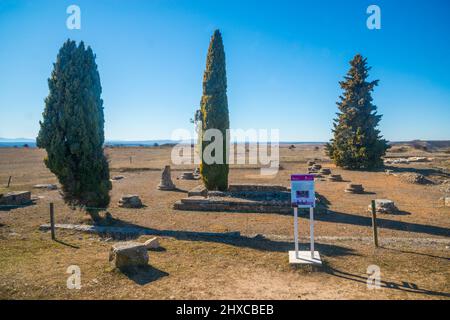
column 72, row 128
column 214, row 110
column 357, row 143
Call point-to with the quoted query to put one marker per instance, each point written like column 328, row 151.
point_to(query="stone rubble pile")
column 384, row 206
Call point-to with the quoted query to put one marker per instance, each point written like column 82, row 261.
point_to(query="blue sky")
column 284, row 61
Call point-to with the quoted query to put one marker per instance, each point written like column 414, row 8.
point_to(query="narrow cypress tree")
column 357, row 144
column 72, row 128
column 214, row 111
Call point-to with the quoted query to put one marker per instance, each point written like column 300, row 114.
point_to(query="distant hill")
column 430, row 145
column 17, row 140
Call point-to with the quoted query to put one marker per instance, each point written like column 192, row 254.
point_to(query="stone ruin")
column 354, row 188
column 257, row 198
column 130, row 201
column 325, row 171
column 384, row 206
column 415, row 178
column 189, row 175
column 314, row 168
column 47, row 186
column 335, row 178
column 128, row 254
column 166, row 180
column 407, row 160
column 16, row 198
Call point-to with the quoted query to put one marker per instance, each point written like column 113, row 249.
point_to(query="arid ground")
column 414, row 256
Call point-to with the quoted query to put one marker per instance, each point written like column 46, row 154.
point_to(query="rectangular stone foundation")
column 258, row 198
column 255, row 198
column 208, row 204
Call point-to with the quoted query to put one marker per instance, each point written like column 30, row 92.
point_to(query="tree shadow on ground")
column 353, row 219
column 12, row 207
column 404, row 286
column 66, row 244
column 129, row 231
column 423, row 171
column 417, row 253
column 144, row 275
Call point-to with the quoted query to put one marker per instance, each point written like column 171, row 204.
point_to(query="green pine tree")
column 357, row 143
column 72, row 128
column 214, row 110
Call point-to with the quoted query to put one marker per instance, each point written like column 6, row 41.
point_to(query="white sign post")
column 303, row 196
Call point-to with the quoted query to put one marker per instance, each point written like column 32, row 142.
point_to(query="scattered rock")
column 325, row 171
column 48, row 186
column 384, row 206
column 447, row 201
column 311, row 163
column 115, row 178
column 152, row 243
column 128, row 254
column 130, row 201
column 14, row 234
column 166, row 180
column 354, row 188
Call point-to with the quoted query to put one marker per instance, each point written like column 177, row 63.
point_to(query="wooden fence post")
column 374, row 224
column 52, row 220
column 9, row 181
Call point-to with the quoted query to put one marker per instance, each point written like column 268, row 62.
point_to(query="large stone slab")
column 16, row 198
column 48, row 186
column 128, row 254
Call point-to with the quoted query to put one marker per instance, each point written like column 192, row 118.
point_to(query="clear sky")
column 284, row 61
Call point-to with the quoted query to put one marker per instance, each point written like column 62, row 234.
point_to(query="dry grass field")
column 414, row 256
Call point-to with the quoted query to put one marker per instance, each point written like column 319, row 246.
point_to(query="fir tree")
column 357, row 143
column 72, row 130
column 214, row 112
